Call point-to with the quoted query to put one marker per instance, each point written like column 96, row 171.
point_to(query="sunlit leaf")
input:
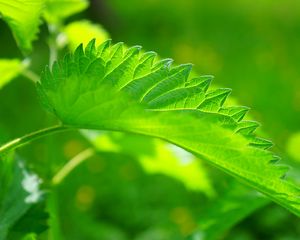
column 82, row 32
column 57, row 10
column 120, row 89
column 23, row 17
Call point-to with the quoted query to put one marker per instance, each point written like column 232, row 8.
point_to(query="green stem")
column 53, row 31
column 73, row 163
column 18, row 142
column 54, row 232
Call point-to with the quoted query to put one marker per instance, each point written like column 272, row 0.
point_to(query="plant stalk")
column 72, row 164
column 18, row 142
column 53, row 52
column 30, row 75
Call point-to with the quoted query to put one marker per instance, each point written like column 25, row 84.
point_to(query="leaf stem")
column 18, row 142
column 52, row 44
column 73, row 163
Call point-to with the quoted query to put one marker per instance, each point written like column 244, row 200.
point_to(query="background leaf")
column 19, row 192
column 58, row 10
column 23, row 17
column 87, row 31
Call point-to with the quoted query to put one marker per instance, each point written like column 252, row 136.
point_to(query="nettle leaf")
column 9, row 69
column 57, row 10
column 23, row 17
column 121, row 89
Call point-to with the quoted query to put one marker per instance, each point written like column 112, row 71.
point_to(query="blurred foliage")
column 250, row 46
column 156, row 156
column 58, row 10
column 9, row 69
column 292, row 146
column 87, row 32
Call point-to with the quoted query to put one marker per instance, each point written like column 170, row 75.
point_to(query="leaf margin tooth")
column 247, row 127
column 132, row 51
column 210, row 104
column 204, row 80
column 166, row 63
column 103, row 48
column 261, row 143
column 147, row 59
column 90, row 49
column 236, row 112
column 79, row 52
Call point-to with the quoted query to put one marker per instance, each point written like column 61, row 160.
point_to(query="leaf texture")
column 112, row 87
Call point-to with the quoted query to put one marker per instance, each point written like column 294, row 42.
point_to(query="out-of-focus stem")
column 18, row 142
column 72, row 164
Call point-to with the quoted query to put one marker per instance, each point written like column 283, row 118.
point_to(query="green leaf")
column 38, row 218
column 57, row 10
column 23, row 17
column 104, row 88
column 82, row 32
column 19, row 191
column 9, row 69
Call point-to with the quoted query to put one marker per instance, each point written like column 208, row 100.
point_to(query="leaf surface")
column 121, row 89
column 23, row 18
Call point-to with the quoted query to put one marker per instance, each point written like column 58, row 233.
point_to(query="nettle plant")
column 115, row 88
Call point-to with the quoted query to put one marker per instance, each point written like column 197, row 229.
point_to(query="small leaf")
column 23, row 18
column 58, row 10
column 82, row 31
